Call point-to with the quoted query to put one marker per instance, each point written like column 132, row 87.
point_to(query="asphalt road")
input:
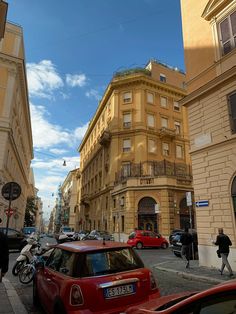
column 168, row 282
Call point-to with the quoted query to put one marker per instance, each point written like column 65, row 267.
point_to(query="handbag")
column 218, row 253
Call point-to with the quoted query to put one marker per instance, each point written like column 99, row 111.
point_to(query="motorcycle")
column 26, row 254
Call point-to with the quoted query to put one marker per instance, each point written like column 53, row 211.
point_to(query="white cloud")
column 46, row 134
column 80, row 131
column 58, row 151
column 76, row 80
column 43, row 79
column 93, row 93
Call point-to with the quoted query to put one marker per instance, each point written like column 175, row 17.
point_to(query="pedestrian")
column 4, row 254
column 186, row 239
column 224, row 242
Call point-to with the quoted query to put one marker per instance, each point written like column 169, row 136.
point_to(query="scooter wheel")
column 26, row 274
column 17, row 267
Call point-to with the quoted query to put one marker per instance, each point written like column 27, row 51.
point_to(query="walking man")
column 186, row 239
column 4, row 254
column 223, row 241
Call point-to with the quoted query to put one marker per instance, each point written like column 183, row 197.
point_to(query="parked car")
column 99, row 235
column 174, row 233
column 68, row 231
column 176, row 245
column 145, row 238
column 220, row 299
column 16, row 239
column 29, row 230
column 92, row 277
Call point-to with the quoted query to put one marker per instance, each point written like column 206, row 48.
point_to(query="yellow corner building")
column 134, row 160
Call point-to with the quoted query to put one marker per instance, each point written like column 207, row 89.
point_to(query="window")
column 126, row 145
column 164, row 122
column 163, row 78
column 179, row 151
column 165, row 149
column 227, row 30
column 176, row 106
column 232, row 111
column 152, row 146
column 150, row 98
column 127, row 97
column 163, row 102
column 233, row 193
column 150, row 120
column 126, row 169
column 127, row 120
column 122, row 223
column 177, row 127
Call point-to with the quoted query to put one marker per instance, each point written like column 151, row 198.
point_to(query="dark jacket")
column 186, row 238
column 224, row 242
column 4, row 253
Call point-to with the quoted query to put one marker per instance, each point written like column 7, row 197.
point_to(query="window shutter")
column 233, row 22
column 127, row 117
column 232, row 110
column 225, row 30
column 150, row 120
column 164, row 122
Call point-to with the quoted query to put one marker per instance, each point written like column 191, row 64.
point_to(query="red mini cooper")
column 92, row 277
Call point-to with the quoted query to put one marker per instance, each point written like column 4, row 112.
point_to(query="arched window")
column 233, row 193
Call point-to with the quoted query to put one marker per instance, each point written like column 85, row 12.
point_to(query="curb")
column 16, row 304
column 190, row 276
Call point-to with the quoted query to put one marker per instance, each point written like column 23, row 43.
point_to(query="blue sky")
column 72, row 49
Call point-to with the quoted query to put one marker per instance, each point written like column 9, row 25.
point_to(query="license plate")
column 118, row 291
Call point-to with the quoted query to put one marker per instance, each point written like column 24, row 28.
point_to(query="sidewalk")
column 10, row 302
column 195, row 272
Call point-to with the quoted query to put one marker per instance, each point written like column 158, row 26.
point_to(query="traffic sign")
column 189, row 198
column 11, row 191
column 9, row 212
column 202, row 203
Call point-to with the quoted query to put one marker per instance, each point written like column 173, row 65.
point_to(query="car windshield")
column 132, row 235
column 67, row 229
column 28, row 230
column 108, row 262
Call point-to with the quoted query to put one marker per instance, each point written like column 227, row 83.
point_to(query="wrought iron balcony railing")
column 152, row 169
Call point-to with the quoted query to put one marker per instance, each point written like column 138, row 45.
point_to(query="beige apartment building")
column 134, row 157
column 209, row 32
column 70, row 200
column 16, row 147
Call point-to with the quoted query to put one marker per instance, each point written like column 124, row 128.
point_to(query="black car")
column 16, row 239
column 176, row 245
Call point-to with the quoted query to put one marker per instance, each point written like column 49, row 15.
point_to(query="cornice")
column 213, row 7
column 231, row 73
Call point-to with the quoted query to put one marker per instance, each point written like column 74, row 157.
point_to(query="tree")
column 30, row 212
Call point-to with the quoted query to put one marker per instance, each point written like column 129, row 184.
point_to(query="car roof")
column 90, row 245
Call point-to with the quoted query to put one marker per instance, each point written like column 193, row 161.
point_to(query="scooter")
column 26, row 254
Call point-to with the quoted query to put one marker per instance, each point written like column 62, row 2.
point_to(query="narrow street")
column 167, row 282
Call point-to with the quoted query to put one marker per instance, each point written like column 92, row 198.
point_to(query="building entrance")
column 147, row 219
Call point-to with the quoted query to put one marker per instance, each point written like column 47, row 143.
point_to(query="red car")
column 220, row 299
column 145, row 238
column 92, row 277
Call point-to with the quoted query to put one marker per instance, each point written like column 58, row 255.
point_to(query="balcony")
column 165, row 132
column 105, row 138
column 147, row 171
